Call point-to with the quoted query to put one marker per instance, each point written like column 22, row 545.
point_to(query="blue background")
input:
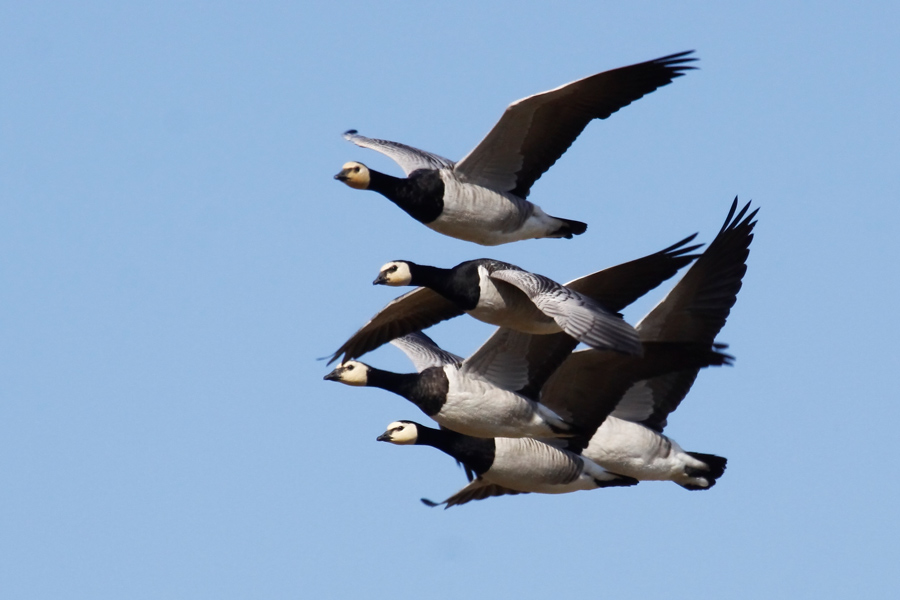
column 175, row 256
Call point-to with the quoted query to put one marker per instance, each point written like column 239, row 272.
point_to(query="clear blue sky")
column 175, row 256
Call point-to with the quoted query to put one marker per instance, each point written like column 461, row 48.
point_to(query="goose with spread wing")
column 482, row 198
column 499, row 391
column 477, row 287
column 502, row 294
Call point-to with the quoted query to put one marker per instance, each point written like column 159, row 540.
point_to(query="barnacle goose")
column 482, row 198
column 499, row 391
column 506, row 465
column 508, row 296
column 458, row 290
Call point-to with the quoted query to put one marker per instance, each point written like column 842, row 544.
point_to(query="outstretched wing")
column 697, row 307
column 413, row 311
column 617, row 287
column 694, row 312
column 410, row 159
column 535, row 131
column 577, row 315
column 423, row 352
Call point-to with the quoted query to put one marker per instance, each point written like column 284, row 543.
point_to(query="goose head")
column 354, row 174
column 395, row 273
column 400, row 433
column 351, row 372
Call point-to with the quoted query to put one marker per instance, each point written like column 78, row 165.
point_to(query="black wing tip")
column 741, row 219
column 337, row 355
column 679, row 248
column 429, row 503
column 724, row 360
column 351, row 132
column 678, row 59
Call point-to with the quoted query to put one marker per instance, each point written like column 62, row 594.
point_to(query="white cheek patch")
column 357, row 375
column 406, row 435
column 402, row 276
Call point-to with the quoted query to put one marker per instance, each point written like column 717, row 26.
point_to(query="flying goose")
column 613, row 289
column 508, row 296
column 506, row 465
column 499, row 391
column 481, row 198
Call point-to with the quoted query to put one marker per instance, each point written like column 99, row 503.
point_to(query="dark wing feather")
column 535, row 131
column 590, row 384
column 697, row 307
column 694, row 311
column 413, row 311
column 617, row 287
column 477, row 490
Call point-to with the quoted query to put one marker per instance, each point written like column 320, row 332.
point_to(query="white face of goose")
column 354, row 174
column 351, row 372
column 395, row 273
column 400, row 433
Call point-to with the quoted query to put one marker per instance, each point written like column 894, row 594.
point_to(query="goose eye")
column 356, row 169
column 392, row 268
column 349, row 367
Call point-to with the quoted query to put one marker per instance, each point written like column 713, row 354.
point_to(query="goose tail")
column 567, row 228
column 715, row 467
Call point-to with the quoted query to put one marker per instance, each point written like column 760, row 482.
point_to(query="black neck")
column 475, row 453
column 459, row 288
column 427, row 390
column 384, row 184
column 421, row 195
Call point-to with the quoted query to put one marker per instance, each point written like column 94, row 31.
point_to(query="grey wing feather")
column 579, row 316
column 650, row 401
column 535, row 131
column 419, row 309
column 502, row 360
column 410, row 159
column 423, row 352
